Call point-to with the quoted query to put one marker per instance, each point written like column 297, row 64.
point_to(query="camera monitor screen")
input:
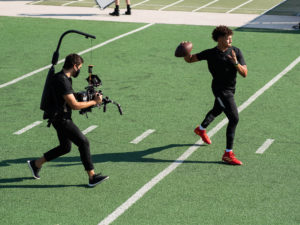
column 104, row 3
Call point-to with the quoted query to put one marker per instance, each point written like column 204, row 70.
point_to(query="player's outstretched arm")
column 191, row 58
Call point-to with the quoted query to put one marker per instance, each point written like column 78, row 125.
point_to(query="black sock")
column 117, row 8
column 128, row 7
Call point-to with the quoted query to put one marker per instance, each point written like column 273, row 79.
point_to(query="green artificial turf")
column 157, row 91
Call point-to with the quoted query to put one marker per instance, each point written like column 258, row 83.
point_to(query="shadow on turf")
column 136, row 156
column 20, row 179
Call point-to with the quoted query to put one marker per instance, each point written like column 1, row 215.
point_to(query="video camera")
column 90, row 93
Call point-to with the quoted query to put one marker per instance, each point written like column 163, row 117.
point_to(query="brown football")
column 183, row 49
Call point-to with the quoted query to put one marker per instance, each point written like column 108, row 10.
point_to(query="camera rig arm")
column 46, row 104
column 56, row 53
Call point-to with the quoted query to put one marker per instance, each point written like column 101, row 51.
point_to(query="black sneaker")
column 97, row 179
column 128, row 12
column 35, row 171
column 115, row 13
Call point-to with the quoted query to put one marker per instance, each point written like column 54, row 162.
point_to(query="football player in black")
column 224, row 62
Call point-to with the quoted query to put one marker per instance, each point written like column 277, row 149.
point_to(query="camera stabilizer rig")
column 90, row 93
column 49, row 105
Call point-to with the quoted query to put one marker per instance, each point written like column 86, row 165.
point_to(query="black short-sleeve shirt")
column 221, row 67
column 62, row 85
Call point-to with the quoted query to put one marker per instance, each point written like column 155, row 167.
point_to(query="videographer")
column 60, row 115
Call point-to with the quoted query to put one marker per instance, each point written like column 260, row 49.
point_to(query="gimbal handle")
column 106, row 100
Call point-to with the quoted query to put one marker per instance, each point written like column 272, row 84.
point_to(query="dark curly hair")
column 221, row 31
column 71, row 60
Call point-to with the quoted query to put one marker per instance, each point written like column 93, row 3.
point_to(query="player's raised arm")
column 242, row 69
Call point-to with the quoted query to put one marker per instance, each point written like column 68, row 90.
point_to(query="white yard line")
column 142, row 136
column 245, row 3
column 89, row 129
column 83, row 52
column 148, row 186
column 25, row 76
column 35, row 2
column 139, row 3
column 167, row 6
column 69, row 3
column 265, row 145
column 23, row 130
column 210, row 3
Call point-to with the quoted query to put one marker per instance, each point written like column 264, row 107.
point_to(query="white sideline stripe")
column 142, row 136
column 28, row 127
column 245, row 3
column 83, row 52
column 210, row 3
column 121, row 209
column 139, row 3
column 269, row 84
column 89, row 129
column 167, row 6
column 116, row 38
column 265, row 145
column 140, row 193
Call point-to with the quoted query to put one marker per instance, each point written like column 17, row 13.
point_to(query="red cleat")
column 229, row 157
column 203, row 135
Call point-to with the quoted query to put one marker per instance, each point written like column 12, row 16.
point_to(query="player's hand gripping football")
column 184, row 49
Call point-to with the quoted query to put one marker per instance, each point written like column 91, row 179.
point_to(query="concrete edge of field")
column 23, row 9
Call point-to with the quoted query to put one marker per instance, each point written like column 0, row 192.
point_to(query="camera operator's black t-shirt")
column 221, row 67
column 62, row 85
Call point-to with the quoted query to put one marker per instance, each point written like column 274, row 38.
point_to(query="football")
column 183, row 49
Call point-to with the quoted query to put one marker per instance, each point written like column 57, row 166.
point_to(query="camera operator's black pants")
column 67, row 133
column 224, row 102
